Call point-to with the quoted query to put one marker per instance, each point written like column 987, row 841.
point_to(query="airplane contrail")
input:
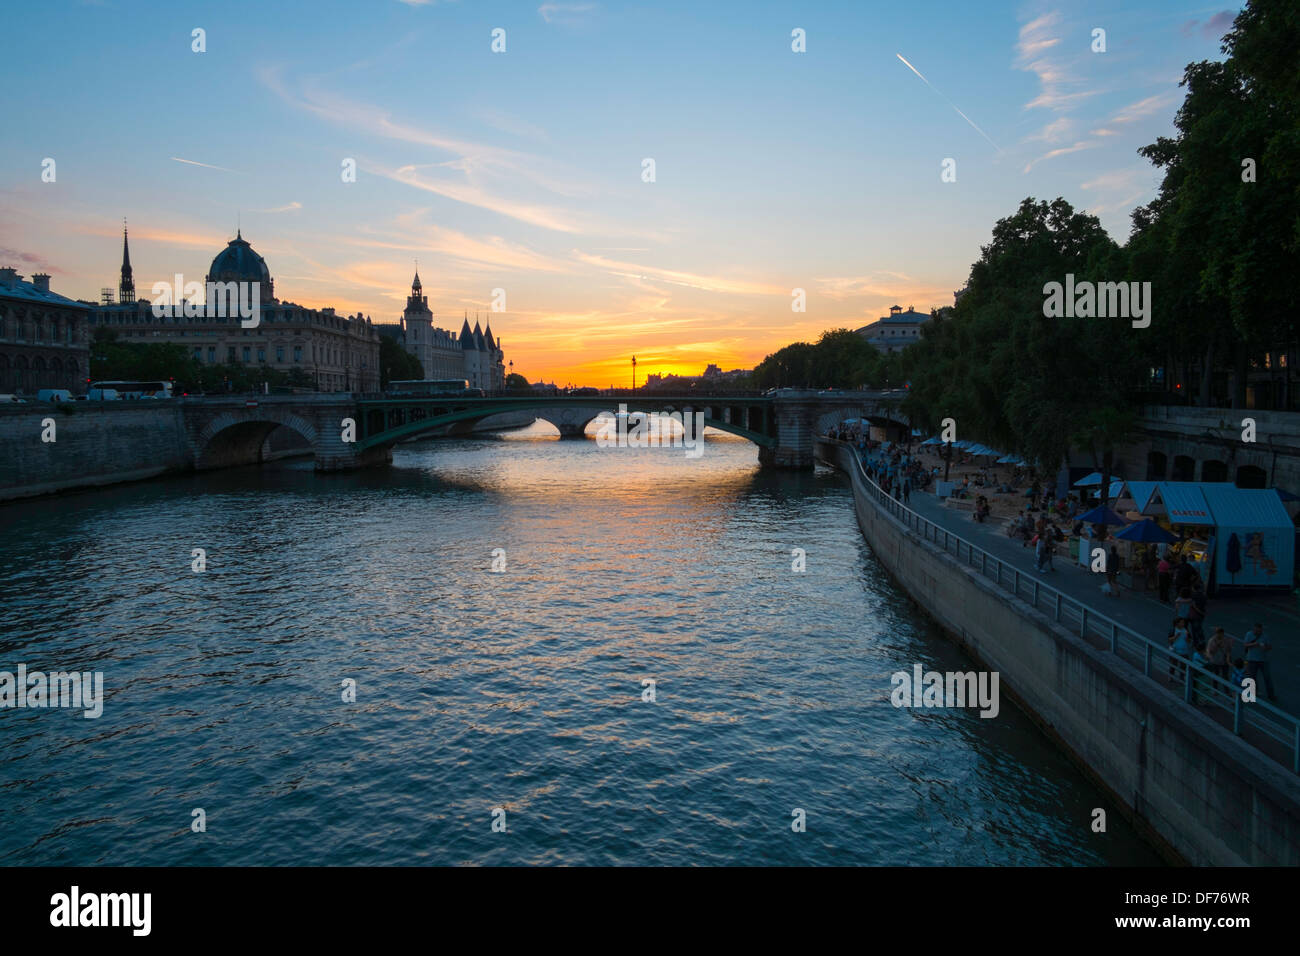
column 194, row 162
column 949, row 102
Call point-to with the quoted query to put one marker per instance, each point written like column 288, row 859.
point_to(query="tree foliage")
column 396, row 364
column 841, row 358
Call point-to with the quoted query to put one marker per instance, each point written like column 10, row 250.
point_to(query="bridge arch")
column 233, row 438
column 569, row 421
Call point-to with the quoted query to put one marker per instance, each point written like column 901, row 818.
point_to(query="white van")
column 54, row 395
column 10, row 399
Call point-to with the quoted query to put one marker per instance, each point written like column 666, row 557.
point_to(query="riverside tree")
column 1006, row 372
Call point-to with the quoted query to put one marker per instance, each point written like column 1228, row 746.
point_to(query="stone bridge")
column 221, row 432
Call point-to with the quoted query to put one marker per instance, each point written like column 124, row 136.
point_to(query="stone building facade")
column 337, row 352
column 44, row 337
column 474, row 356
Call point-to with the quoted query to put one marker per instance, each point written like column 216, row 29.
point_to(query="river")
column 519, row 690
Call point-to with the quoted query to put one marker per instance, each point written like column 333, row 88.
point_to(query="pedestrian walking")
column 1258, row 648
column 1180, row 644
column 1218, row 651
column 1200, row 607
column 1112, row 572
column 1165, row 572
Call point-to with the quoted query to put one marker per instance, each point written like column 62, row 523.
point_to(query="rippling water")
column 519, row 690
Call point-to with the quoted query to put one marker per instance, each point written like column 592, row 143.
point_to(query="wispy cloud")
column 470, row 157
column 14, row 255
column 1057, row 131
column 879, row 287
column 1063, row 151
column 287, row 207
column 678, row 277
column 464, row 192
column 1211, row 29
column 429, row 241
column 167, row 237
column 1142, row 108
column 1036, row 39
column 566, row 14
column 513, row 125
column 1119, row 189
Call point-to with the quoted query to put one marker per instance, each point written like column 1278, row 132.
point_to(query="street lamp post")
column 634, row 373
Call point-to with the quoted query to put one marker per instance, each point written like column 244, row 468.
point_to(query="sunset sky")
column 522, row 170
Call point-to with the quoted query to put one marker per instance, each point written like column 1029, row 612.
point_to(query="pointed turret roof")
column 466, row 336
column 415, row 286
column 126, row 287
column 487, row 335
column 478, row 337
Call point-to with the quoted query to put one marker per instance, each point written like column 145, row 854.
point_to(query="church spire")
column 126, row 288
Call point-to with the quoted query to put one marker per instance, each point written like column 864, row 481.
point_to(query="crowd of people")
column 1218, row 656
column 898, row 472
column 1219, row 653
column 889, row 464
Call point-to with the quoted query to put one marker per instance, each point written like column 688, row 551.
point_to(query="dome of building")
column 239, row 263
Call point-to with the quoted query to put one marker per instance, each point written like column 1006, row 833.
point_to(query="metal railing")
column 1196, row 685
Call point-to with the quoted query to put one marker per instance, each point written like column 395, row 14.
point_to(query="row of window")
column 1184, row 469
column 37, row 364
column 65, row 333
column 247, row 354
column 146, row 317
column 331, row 356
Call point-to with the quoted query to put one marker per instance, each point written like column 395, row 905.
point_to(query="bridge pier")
column 796, row 423
column 347, row 460
column 571, row 430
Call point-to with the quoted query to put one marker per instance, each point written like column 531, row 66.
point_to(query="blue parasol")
column 1101, row 516
column 1146, row 532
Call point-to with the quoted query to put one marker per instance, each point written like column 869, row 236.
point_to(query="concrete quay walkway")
column 1235, row 612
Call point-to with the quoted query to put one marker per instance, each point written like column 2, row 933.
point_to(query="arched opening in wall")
column 1214, row 470
column 1157, row 462
column 1251, row 476
column 286, row 442
column 1184, row 469
column 246, row 443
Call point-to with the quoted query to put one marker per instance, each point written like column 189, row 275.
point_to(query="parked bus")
column 439, row 388
column 108, row 391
